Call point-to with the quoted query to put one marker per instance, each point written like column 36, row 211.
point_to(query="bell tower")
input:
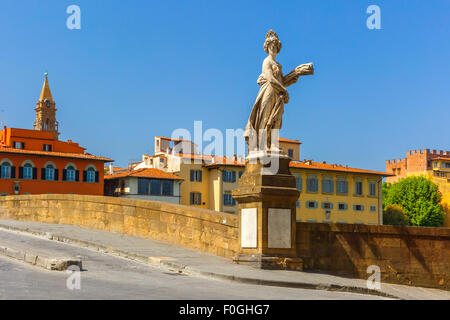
column 46, row 111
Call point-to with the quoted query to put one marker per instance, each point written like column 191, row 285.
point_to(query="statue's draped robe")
column 268, row 109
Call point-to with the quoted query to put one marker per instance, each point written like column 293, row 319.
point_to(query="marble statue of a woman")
column 268, row 109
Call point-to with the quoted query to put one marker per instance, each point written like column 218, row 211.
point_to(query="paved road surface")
column 111, row 277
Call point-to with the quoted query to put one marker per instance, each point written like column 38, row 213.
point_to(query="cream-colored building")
column 329, row 192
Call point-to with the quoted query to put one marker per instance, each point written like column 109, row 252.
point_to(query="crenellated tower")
column 46, row 111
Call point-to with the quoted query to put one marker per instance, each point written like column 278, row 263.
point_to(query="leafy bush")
column 420, row 199
column 395, row 216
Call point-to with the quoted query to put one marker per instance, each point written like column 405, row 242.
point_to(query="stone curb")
column 181, row 268
column 52, row 264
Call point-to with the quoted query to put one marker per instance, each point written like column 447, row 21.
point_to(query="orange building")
column 36, row 162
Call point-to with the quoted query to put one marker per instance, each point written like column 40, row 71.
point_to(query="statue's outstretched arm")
column 302, row 70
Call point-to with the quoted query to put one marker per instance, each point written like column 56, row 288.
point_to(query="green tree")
column 385, row 188
column 420, row 199
column 394, row 215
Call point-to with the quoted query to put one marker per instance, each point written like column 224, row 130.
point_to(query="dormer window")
column 47, row 147
column 19, row 145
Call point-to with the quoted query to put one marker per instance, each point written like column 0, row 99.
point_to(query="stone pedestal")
column 267, row 197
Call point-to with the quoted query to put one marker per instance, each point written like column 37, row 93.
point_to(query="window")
column 70, row 173
column 311, row 204
column 6, row 170
column 167, row 187
column 327, row 205
column 19, row 145
column 28, row 171
column 143, row 186
column 299, row 183
column 327, row 185
column 47, row 147
column 373, row 189
column 228, row 200
column 342, row 187
column 435, row 164
column 196, row 175
column 90, row 175
column 298, row 203
column 49, row 173
column 373, row 208
column 358, row 207
column 447, row 165
column 196, row 198
column 240, row 174
column 155, row 187
column 342, row 206
column 358, row 188
column 313, row 184
column 290, row 153
column 229, row 176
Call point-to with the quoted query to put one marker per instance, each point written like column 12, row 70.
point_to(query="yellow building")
column 329, row 193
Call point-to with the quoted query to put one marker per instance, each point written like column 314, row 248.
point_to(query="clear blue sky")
column 137, row 69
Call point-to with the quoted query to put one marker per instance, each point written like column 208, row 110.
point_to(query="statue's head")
column 272, row 42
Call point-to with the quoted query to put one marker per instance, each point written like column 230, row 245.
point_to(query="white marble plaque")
column 279, row 228
column 249, row 228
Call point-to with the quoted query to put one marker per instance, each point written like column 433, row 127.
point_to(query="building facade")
column 432, row 164
column 145, row 184
column 329, row 193
column 37, row 162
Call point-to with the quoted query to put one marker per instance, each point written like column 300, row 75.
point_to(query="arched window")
column 5, row 171
column 70, row 173
column 90, row 175
column 50, row 172
column 28, row 171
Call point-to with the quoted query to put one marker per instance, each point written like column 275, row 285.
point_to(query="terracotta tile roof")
column 224, row 161
column 334, row 167
column 54, row 154
column 288, row 140
column 116, row 169
column 144, row 173
column 441, row 157
column 209, row 159
column 172, row 139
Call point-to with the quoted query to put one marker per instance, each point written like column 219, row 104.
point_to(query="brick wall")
column 406, row 255
column 200, row 229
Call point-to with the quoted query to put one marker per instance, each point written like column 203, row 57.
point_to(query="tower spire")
column 46, row 92
column 46, row 111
